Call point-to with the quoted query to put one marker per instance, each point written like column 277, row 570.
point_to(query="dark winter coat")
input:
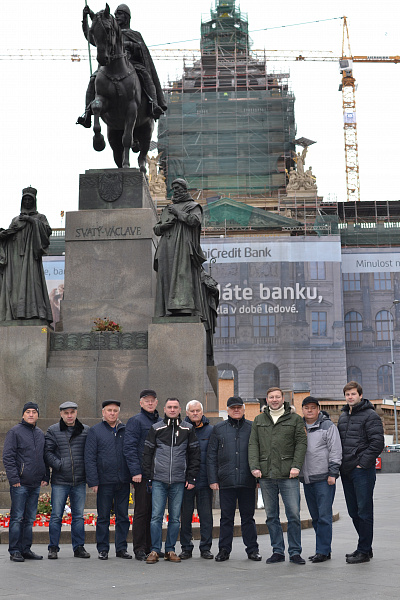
column 104, row 458
column 65, row 454
column 23, row 455
column 227, row 457
column 171, row 452
column 276, row 448
column 203, row 434
column 361, row 433
column 136, row 432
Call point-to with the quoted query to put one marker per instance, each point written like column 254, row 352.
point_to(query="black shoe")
column 80, row 552
column 31, row 555
column 255, row 556
column 185, row 554
column 53, row 553
column 275, row 558
column 17, row 557
column 123, row 554
column 222, row 555
column 358, row 557
column 370, row 554
column 161, row 554
column 297, row 560
column 318, row 558
column 206, row 554
column 311, row 557
column 103, row 555
column 140, row 555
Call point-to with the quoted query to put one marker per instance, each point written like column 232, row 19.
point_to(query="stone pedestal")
column 24, row 356
column 177, row 359
column 109, row 268
column 114, row 188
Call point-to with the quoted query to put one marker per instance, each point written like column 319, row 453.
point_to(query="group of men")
column 184, row 462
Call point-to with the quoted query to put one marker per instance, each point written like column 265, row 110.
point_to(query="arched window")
column 353, row 328
column 225, row 372
column 385, row 387
column 354, row 374
column 226, row 322
column 264, row 324
column 382, row 325
column 266, row 375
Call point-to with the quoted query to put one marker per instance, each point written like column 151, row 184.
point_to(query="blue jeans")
column 77, row 496
column 246, row 499
column 289, row 489
column 24, row 501
column 358, row 487
column 106, row 494
column 319, row 497
column 203, row 498
column 160, row 493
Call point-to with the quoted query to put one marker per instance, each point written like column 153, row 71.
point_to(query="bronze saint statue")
column 23, row 290
column 179, row 257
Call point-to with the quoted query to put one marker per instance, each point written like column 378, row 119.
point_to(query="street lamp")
column 391, row 333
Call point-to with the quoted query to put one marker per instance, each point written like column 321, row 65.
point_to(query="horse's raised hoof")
column 99, row 142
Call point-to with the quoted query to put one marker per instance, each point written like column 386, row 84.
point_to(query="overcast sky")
column 41, row 99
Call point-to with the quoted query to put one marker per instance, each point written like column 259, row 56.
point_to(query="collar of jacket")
column 364, row 403
column 28, row 424
column 236, row 422
column 204, row 421
column 321, row 417
column 116, row 426
column 151, row 415
column 78, row 427
column 171, row 422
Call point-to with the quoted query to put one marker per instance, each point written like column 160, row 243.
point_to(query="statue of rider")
column 139, row 57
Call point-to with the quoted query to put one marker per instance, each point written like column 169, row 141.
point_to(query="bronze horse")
column 120, row 100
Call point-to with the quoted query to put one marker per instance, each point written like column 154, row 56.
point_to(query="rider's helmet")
column 124, row 8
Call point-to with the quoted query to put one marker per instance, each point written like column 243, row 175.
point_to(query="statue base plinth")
column 302, row 193
column 114, row 188
column 177, row 357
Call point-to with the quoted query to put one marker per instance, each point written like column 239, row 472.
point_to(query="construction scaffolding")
column 230, row 123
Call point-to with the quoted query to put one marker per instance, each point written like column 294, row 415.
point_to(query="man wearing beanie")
column 23, row 458
column 277, row 448
column 136, row 432
column 228, row 471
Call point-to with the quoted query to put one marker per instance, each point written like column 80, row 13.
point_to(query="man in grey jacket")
column 319, row 473
column 64, row 452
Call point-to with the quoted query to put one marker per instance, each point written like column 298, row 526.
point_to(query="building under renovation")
column 230, row 126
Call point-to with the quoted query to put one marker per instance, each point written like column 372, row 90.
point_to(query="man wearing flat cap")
column 107, row 474
column 64, row 452
column 228, row 471
column 23, row 458
column 319, row 473
column 136, row 432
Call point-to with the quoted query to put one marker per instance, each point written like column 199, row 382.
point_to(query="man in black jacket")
column 171, row 461
column 108, row 475
column 361, row 433
column 23, row 458
column 229, row 472
column 137, row 429
column 64, row 453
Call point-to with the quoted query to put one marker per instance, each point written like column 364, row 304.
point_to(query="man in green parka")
column 277, row 447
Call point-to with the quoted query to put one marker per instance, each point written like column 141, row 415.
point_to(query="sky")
column 40, row 100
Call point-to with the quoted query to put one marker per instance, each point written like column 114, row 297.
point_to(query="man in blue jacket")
column 64, row 453
column 202, row 492
column 229, row 472
column 136, row 432
column 23, row 458
column 108, row 475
